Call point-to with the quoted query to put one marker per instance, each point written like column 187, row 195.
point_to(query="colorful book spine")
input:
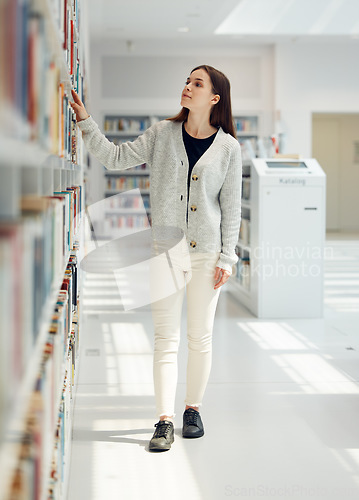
column 40, row 57
column 30, row 84
column 46, row 439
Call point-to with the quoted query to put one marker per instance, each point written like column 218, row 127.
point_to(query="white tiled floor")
column 280, row 411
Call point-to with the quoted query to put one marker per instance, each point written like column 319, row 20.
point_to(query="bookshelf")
column 123, row 206
column 240, row 283
column 42, row 199
column 247, row 125
column 249, row 134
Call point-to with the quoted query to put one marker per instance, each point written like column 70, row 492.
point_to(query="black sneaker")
column 192, row 424
column 163, row 436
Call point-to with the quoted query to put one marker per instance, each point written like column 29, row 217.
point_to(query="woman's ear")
column 215, row 99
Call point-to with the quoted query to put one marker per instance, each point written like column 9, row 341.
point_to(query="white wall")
column 152, row 77
column 313, row 77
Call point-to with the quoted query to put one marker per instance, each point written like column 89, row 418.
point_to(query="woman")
column 195, row 185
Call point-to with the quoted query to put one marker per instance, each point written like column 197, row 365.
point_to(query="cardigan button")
column 193, row 208
column 193, row 244
column 195, row 177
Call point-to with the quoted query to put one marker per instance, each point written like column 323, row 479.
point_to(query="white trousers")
column 173, row 272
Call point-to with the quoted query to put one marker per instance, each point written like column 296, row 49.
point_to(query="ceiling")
column 156, row 18
column 223, row 21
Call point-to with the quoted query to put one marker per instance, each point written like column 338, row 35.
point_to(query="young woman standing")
column 195, row 185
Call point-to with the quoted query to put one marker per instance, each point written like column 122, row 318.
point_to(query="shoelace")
column 162, row 429
column 191, row 417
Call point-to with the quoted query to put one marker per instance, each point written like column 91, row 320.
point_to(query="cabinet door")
column 291, row 215
column 291, row 246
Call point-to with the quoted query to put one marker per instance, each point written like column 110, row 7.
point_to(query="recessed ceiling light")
column 183, row 29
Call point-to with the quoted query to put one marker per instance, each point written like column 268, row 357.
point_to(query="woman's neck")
column 199, row 126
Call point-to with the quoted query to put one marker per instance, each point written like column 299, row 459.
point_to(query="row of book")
column 69, row 24
column 115, row 222
column 30, row 83
column 15, row 69
column 67, row 15
column 125, row 200
column 135, row 125
column 131, row 125
column 246, row 124
column 125, row 183
column 40, row 471
column 33, row 253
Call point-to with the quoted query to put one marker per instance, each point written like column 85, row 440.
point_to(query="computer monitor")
column 286, row 164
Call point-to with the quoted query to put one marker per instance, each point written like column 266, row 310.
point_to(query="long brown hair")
column 221, row 113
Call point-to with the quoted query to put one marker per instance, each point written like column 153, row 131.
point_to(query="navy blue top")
column 194, row 149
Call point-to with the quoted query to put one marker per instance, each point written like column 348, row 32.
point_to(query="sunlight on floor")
column 270, row 335
column 341, row 276
column 128, row 354
column 160, row 471
column 311, row 371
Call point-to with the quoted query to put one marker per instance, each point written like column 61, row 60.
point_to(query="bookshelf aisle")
column 42, row 198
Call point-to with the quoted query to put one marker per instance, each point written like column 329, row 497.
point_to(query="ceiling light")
column 183, row 29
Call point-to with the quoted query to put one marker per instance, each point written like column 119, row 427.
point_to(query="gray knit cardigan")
column 215, row 185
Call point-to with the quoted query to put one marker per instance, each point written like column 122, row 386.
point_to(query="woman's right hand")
column 78, row 107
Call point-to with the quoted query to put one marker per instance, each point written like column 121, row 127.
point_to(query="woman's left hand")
column 223, row 275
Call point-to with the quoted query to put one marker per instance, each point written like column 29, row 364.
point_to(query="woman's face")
column 197, row 94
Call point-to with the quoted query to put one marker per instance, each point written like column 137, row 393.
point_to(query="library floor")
column 280, row 411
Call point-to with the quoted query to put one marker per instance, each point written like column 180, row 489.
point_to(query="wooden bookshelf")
column 42, row 199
